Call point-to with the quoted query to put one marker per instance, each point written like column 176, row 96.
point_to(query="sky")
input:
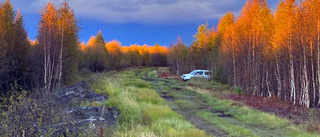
column 137, row 21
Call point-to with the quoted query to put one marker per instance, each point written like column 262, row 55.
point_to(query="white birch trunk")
column 305, row 82
column 60, row 60
column 45, row 63
column 318, row 57
column 278, row 77
column 291, row 72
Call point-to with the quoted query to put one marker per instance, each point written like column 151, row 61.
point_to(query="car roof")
column 201, row 70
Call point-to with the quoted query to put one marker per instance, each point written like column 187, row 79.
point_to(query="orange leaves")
column 284, row 23
column 92, row 41
column 157, row 49
column 226, row 22
column 226, row 31
column 142, row 50
column 49, row 15
column 113, row 47
column 83, row 46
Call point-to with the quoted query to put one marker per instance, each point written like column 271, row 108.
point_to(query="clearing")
column 153, row 102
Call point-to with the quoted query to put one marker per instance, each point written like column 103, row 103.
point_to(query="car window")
column 207, row 73
column 200, row 73
column 194, row 72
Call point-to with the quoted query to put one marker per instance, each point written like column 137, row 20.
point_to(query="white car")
column 206, row 74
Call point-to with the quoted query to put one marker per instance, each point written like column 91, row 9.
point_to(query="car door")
column 199, row 74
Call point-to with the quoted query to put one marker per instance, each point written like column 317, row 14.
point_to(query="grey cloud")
column 166, row 2
column 119, row 6
column 142, row 11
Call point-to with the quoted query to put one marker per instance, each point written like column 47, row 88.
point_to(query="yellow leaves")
column 226, row 31
column 225, row 22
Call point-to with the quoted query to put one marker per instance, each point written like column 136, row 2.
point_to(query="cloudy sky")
column 137, row 21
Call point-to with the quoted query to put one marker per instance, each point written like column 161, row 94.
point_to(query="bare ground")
column 60, row 114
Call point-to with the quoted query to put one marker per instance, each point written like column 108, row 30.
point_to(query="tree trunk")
column 178, row 67
column 60, row 58
column 234, row 67
column 45, row 63
column 318, row 57
column 278, row 77
column 305, row 81
column 291, row 71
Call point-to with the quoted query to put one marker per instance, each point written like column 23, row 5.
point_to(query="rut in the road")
column 198, row 104
column 188, row 115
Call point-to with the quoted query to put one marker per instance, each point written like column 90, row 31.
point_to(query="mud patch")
column 167, row 97
column 176, row 88
column 221, row 113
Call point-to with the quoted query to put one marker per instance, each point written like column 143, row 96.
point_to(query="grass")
column 184, row 104
column 244, row 121
column 246, row 116
column 233, row 130
column 142, row 111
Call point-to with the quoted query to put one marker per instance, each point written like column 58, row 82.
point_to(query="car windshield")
column 194, row 72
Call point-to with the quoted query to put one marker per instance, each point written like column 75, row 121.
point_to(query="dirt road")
column 193, row 106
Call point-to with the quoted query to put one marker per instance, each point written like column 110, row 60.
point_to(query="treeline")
column 264, row 54
column 98, row 55
column 56, row 56
column 14, row 49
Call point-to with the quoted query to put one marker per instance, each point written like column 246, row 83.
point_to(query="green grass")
column 142, row 111
column 135, row 82
column 250, row 117
column 244, row 121
column 261, row 118
column 233, row 130
column 184, row 104
column 153, row 74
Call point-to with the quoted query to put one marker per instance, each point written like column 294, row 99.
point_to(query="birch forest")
column 56, row 56
column 263, row 52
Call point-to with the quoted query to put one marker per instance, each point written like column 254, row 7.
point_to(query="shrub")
column 238, row 91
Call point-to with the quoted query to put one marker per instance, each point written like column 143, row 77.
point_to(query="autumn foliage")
column 261, row 52
column 114, row 56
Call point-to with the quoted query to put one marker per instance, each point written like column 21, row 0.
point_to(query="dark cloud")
column 144, row 11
